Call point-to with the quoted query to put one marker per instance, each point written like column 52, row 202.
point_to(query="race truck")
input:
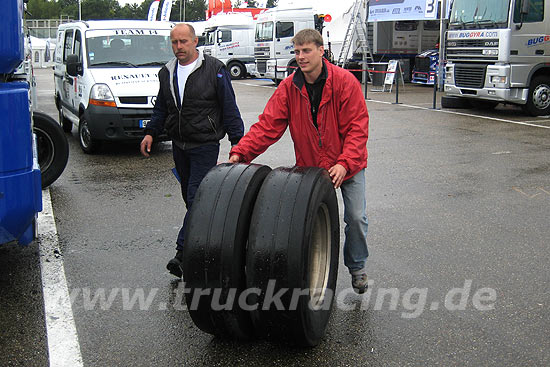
column 499, row 51
column 425, row 67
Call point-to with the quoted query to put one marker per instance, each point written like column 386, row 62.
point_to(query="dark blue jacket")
column 225, row 112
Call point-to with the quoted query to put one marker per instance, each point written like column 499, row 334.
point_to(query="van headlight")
column 101, row 95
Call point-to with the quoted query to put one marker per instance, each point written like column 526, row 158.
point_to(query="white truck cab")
column 232, row 44
column 106, row 77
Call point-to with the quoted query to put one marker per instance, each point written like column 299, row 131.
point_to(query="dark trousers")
column 192, row 165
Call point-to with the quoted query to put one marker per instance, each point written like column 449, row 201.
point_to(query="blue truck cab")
column 20, row 186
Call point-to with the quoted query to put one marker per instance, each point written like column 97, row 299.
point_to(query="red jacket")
column 342, row 118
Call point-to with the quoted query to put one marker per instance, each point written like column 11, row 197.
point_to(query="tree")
column 100, row 9
column 43, row 9
column 271, row 3
column 195, row 10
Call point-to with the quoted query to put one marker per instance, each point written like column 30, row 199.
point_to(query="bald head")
column 184, row 27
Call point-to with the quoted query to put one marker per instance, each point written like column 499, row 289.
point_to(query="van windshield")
column 116, row 50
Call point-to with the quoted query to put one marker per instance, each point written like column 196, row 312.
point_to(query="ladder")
column 356, row 27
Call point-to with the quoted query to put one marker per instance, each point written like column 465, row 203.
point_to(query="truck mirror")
column 525, row 7
column 220, row 36
column 74, row 66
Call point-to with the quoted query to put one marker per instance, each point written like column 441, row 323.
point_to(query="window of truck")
column 264, row 32
column 536, row 12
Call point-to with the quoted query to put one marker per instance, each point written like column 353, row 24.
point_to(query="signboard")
column 390, row 10
column 390, row 75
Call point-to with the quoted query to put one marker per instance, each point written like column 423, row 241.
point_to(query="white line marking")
column 63, row 347
column 254, row 85
column 463, row 114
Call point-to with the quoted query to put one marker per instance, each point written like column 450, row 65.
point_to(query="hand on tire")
column 337, row 173
column 234, row 158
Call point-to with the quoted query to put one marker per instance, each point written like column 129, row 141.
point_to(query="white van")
column 106, row 77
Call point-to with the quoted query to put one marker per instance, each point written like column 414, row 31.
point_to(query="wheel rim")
column 85, row 136
column 235, row 71
column 45, row 149
column 541, row 96
column 319, row 257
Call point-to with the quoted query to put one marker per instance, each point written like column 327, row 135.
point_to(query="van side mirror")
column 220, row 36
column 74, row 66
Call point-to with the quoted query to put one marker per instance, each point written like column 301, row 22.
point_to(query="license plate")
column 143, row 123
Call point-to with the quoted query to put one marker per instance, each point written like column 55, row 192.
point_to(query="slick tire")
column 215, row 246
column 52, row 147
column 293, row 245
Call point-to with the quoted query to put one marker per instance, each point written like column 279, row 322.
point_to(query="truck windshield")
column 124, row 50
column 264, row 32
column 210, row 36
column 472, row 14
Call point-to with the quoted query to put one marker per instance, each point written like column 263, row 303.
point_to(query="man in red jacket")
column 324, row 108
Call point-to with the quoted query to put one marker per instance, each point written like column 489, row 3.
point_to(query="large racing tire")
column 292, row 252
column 52, row 147
column 88, row 144
column 215, row 248
column 538, row 101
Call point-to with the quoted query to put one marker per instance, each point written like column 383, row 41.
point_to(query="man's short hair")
column 308, row 36
column 189, row 28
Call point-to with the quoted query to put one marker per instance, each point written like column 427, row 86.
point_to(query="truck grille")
column 133, row 100
column 470, row 76
column 262, row 66
column 422, row 64
column 261, row 52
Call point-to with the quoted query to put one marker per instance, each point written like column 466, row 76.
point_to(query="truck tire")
column 65, row 122
column 236, row 70
column 293, row 244
column 538, row 101
column 87, row 143
column 454, row 102
column 52, row 147
column 215, row 246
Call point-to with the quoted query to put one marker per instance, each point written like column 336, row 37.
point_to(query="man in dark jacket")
column 324, row 108
column 196, row 106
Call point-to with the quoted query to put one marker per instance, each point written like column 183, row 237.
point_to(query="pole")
column 184, row 10
column 79, row 10
column 435, row 90
column 443, row 4
column 181, row 1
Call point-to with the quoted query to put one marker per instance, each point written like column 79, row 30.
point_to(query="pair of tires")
column 261, row 253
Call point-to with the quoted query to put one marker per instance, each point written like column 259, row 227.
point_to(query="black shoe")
column 175, row 266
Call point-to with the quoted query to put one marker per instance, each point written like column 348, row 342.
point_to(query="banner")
column 153, row 9
column 388, row 10
column 166, row 10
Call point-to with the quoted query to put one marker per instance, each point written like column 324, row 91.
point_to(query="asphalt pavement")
column 458, row 204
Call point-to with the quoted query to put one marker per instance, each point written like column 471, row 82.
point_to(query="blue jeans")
column 192, row 165
column 355, row 217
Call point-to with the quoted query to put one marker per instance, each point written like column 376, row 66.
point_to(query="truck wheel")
column 87, row 143
column 215, row 247
column 454, row 102
column 52, row 147
column 236, row 70
column 482, row 104
column 293, row 244
column 65, row 122
column 538, row 102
